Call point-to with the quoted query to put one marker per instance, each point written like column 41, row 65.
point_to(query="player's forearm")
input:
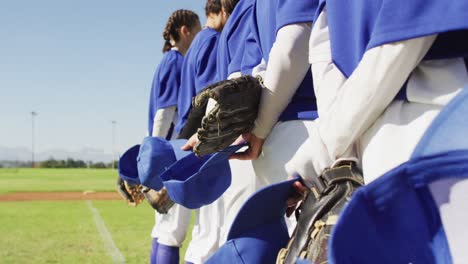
column 328, row 79
column 368, row 92
column 287, row 66
column 162, row 121
column 310, row 159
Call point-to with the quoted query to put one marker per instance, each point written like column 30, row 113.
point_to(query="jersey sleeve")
column 239, row 37
column 206, row 64
column 295, row 12
column 165, row 86
column 252, row 53
column 198, row 71
column 169, row 83
column 152, row 102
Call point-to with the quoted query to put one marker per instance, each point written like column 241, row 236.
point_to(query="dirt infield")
column 58, row 196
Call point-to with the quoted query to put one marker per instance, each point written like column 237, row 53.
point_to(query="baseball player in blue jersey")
column 199, row 68
column 228, row 64
column 383, row 70
column 279, row 43
column 199, row 71
column 170, row 229
column 229, row 58
column 277, row 49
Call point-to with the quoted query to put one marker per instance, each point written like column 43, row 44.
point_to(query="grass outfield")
column 56, row 180
column 65, row 231
column 126, row 235
column 49, row 232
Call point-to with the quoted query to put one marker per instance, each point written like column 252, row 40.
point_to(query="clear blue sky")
column 79, row 64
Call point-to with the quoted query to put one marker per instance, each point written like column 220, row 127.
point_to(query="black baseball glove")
column 237, row 102
column 194, row 120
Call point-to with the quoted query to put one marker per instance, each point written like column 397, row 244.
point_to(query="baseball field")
column 70, row 216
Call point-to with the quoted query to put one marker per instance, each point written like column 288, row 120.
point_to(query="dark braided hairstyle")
column 178, row 19
column 212, row 7
column 229, row 5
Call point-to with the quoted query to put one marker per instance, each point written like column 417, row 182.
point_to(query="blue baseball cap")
column 142, row 164
column 394, row 219
column 197, row 181
column 259, row 230
column 128, row 170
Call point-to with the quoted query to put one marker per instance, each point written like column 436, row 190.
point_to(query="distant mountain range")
column 24, row 154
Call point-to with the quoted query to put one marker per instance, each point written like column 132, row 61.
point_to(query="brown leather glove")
column 319, row 212
column 131, row 193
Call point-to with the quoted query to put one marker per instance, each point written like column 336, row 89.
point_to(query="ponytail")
column 167, row 46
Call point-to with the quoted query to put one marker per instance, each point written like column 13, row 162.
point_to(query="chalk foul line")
column 111, row 248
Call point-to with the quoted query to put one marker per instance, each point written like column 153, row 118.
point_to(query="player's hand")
column 239, row 140
column 191, row 142
column 298, row 195
column 254, row 150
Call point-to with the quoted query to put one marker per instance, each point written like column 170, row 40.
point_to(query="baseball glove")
column 318, row 214
column 131, row 193
column 159, row 200
column 236, row 109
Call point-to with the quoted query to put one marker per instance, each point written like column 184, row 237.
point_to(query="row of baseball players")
column 376, row 73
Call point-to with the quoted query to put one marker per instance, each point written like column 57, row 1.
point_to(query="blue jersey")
column 232, row 38
column 198, row 71
column 359, row 25
column 268, row 17
column 166, row 82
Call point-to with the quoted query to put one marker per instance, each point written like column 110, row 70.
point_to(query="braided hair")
column 178, row 19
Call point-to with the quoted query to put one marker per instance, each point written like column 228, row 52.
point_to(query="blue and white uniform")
column 229, row 58
column 199, row 71
column 382, row 71
column 170, row 229
column 278, row 42
column 164, row 90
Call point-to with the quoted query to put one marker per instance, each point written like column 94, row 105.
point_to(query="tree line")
column 58, row 163
column 71, row 163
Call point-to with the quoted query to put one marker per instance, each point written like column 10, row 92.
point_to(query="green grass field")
column 55, row 180
column 65, row 231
